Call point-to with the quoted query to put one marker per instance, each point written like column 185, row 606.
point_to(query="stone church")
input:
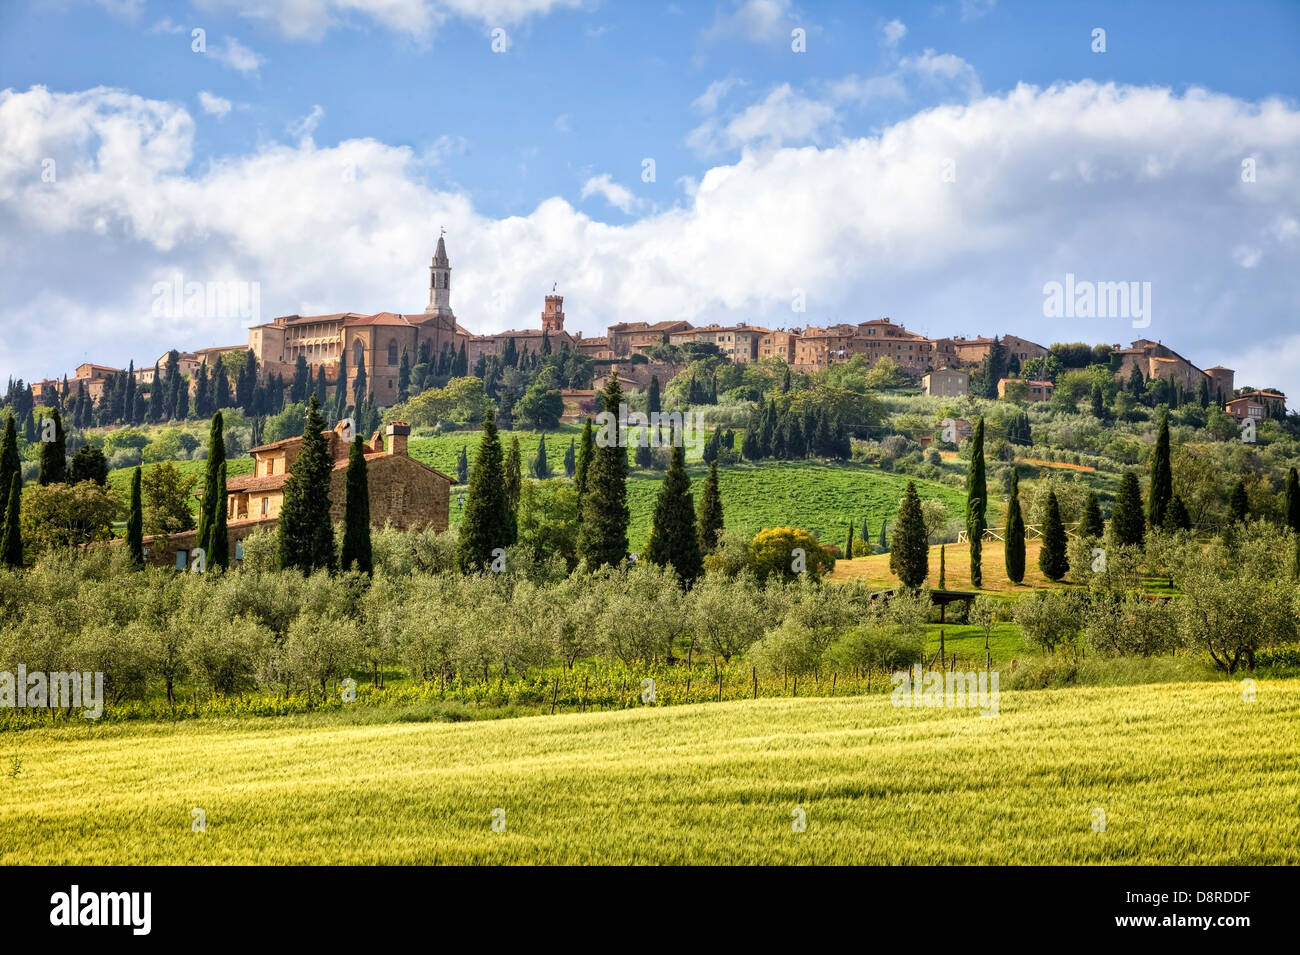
column 374, row 342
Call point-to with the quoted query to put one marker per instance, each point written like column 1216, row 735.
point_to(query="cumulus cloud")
column 214, row 105
column 783, row 116
column 1110, row 183
column 759, row 21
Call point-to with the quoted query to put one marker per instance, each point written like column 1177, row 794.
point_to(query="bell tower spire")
column 440, row 281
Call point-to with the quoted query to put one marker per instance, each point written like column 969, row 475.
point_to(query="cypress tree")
column 586, row 451
column 219, row 542
column 1098, row 404
column 356, row 516
column 320, row 385
column 943, row 569
column 404, row 377
column 1176, row 517
column 11, row 463
column 54, row 455
column 976, row 500
column 214, row 491
column 541, row 467
column 462, row 466
column 1052, row 559
column 1292, row 492
column 674, row 540
column 1240, row 502
column 513, row 485
column 602, row 538
column 848, row 544
column 570, row 459
column 1126, row 522
column 156, row 408
column 910, row 557
column 485, row 525
column 11, row 542
column 1091, row 525
column 1162, row 478
column 710, row 518
column 135, row 522
column 305, row 534
column 884, row 543
column 1015, row 533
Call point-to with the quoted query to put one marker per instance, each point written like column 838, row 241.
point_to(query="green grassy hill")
column 713, row 784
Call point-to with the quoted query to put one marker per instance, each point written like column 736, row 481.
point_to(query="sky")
column 766, row 161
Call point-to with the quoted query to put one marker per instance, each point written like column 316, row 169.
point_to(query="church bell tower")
column 440, row 283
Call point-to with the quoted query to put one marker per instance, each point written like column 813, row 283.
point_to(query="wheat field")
column 1184, row 773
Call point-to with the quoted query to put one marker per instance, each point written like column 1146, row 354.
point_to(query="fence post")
column 554, row 693
column 755, row 673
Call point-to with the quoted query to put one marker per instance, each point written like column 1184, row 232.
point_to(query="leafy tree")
column 356, row 516
column 1092, row 524
column 779, row 551
column 674, row 541
column 54, row 454
column 1015, row 532
column 486, row 526
column 167, row 496
column 976, row 501
column 548, row 520
column 11, row 542
column 305, row 536
column 541, row 405
column 1162, row 478
column 710, row 521
column 1052, row 559
column 1176, row 517
column 67, row 515
column 909, row 558
column 135, row 522
column 1127, row 525
column 602, row 541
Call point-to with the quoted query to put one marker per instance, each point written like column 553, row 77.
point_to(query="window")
column 392, row 352
column 266, row 506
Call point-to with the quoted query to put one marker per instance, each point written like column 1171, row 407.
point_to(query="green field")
column 1185, row 774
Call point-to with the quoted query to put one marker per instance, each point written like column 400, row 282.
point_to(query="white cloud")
column 974, row 9
column 784, row 116
column 238, row 57
column 564, row 123
column 945, row 68
column 894, row 31
column 214, row 105
column 165, row 25
column 312, row 19
column 707, row 102
column 620, row 197
column 759, row 21
column 1109, row 183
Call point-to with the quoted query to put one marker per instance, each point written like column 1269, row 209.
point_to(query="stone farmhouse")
column 1155, row 360
column 403, row 491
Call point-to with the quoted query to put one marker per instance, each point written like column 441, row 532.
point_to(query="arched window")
column 358, row 355
column 392, row 352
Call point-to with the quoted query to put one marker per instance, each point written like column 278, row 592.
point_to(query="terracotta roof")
column 285, row 442
column 379, row 318
column 274, row 482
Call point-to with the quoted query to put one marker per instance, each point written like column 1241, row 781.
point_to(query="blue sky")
column 774, row 171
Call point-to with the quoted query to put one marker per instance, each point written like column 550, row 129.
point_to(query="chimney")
column 377, row 442
column 398, row 432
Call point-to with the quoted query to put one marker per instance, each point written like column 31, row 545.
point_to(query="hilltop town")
column 345, row 345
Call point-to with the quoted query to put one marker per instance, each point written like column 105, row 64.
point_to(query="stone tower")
column 440, row 283
column 553, row 317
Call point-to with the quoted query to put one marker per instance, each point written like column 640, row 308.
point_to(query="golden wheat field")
column 1184, row 773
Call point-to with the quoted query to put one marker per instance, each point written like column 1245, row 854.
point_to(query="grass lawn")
column 1185, row 774
column 875, row 569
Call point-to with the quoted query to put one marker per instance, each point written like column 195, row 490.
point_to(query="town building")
column 1034, row 390
column 973, row 351
column 879, row 338
column 1156, row 360
column 946, row 383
